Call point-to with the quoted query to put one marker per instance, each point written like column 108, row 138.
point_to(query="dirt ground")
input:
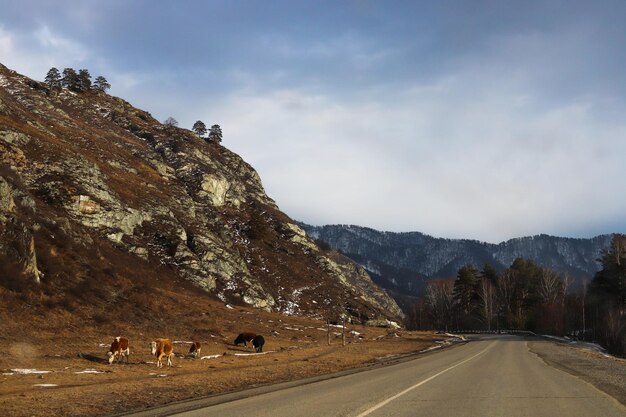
column 82, row 383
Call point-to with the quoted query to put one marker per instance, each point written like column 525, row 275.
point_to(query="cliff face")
column 401, row 262
column 86, row 178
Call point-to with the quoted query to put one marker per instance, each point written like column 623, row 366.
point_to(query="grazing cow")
column 244, row 338
column 119, row 348
column 160, row 348
column 258, row 343
column 194, row 349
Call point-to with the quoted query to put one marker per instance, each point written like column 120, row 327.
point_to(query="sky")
column 483, row 120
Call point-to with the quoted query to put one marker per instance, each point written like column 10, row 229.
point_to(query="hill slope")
column 100, row 204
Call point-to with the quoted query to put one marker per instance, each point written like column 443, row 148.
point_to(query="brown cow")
column 244, row 338
column 160, row 348
column 194, row 349
column 119, row 348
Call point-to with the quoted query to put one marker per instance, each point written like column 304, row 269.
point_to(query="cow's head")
column 153, row 347
column 111, row 356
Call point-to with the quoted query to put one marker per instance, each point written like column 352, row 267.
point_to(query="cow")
column 258, row 343
column 161, row 348
column 244, row 338
column 119, row 348
column 194, row 349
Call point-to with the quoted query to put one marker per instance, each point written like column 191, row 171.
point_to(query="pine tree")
column 53, row 78
column 200, row 128
column 84, row 80
column 215, row 135
column 70, row 79
column 101, row 84
column 465, row 287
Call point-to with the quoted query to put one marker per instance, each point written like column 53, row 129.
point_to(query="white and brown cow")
column 119, row 348
column 161, row 348
column 194, row 349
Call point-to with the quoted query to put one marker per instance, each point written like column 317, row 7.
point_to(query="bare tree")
column 487, row 294
column 550, row 286
column 439, row 298
column 170, row 122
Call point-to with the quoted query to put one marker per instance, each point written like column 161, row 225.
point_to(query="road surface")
column 491, row 376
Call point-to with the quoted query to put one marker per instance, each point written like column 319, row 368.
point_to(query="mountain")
column 100, row 202
column 401, row 262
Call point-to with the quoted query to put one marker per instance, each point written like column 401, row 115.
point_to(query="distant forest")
column 527, row 296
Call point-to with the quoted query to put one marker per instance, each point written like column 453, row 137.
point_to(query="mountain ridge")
column 402, row 262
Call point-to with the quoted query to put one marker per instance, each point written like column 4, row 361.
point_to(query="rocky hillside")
column 401, row 262
column 97, row 196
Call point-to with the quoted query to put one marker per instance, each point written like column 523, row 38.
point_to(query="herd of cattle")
column 163, row 348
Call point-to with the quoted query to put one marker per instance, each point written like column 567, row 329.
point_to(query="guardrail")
column 506, row 331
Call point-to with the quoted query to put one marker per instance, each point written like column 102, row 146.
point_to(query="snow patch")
column 253, row 354
column 431, row 348
column 28, row 371
column 210, row 357
column 45, row 385
column 89, row 371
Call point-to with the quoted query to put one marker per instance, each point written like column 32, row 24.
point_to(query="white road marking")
column 401, row 393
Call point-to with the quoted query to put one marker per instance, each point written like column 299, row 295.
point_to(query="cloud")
column 447, row 158
column 481, row 122
column 34, row 53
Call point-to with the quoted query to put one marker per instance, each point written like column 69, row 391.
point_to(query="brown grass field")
column 84, row 384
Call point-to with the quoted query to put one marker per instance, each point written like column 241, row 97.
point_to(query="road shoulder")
column 605, row 373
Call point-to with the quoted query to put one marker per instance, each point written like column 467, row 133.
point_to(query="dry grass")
column 296, row 348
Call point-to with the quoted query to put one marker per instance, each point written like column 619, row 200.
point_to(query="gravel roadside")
column 605, row 373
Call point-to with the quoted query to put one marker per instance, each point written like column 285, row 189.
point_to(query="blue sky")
column 466, row 119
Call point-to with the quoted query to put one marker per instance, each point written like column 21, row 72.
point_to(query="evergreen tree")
column 465, row 287
column 101, row 84
column 53, row 78
column 84, row 80
column 199, row 128
column 70, row 79
column 215, row 135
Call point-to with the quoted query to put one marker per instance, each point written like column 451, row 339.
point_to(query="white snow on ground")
column 28, row 371
column 210, row 357
column 89, row 371
column 458, row 336
column 45, row 385
column 253, row 354
column 229, row 306
column 593, row 347
column 3, row 81
column 292, row 328
column 182, row 342
column 431, row 348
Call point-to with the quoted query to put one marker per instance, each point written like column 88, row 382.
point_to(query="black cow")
column 258, row 343
column 244, row 338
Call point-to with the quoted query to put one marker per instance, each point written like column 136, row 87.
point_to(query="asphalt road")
column 492, row 376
